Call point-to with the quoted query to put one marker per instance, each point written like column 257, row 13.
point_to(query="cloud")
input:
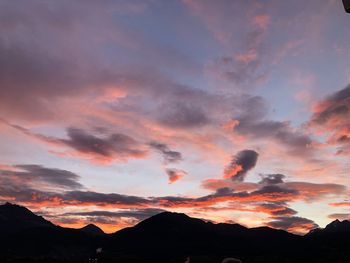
column 272, row 179
column 113, row 147
column 309, row 191
column 39, row 176
column 334, row 106
column 244, row 67
column 272, row 199
column 180, row 115
column 241, row 163
column 275, row 189
column 62, row 62
column 241, row 66
column 213, row 184
column 101, row 199
column 276, row 209
column 345, row 204
column 272, row 195
column 116, row 219
column 293, row 224
column 252, row 123
column 33, row 196
column 226, row 194
column 340, row 216
column 273, row 209
column 314, row 191
column 296, row 142
column 105, row 149
column 49, row 71
column 269, row 186
column 332, row 115
column 218, row 17
column 169, row 156
column 175, row 174
column 303, row 190
column 139, row 214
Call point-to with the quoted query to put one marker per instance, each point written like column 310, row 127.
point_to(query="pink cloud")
column 175, row 175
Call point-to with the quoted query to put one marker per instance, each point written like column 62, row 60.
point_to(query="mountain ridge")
column 170, row 235
column 41, row 221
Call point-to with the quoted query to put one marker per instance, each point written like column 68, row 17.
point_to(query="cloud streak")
column 333, row 115
column 37, row 175
column 169, row 156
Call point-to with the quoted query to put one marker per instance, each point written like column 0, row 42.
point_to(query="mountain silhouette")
column 92, row 230
column 26, row 235
column 165, row 237
column 175, row 236
column 338, row 226
column 15, row 218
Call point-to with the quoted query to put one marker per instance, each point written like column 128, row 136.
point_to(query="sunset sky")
column 231, row 111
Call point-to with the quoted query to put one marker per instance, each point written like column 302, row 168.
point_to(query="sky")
column 232, row 111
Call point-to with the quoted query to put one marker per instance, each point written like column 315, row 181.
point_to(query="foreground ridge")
column 171, row 236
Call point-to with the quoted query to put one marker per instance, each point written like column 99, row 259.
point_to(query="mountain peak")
column 15, row 210
column 170, row 221
column 171, row 215
column 14, row 218
column 170, row 218
column 15, row 206
column 92, row 229
column 335, row 222
column 338, row 225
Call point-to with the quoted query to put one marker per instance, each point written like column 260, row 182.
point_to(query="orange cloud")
column 214, row 184
column 232, row 171
column 340, row 204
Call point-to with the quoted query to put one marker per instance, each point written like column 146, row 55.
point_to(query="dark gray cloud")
column 277, row 209
column 296, row 142
column 102, row 198
column 31, row 194
column 340, row 95
column 293, row 223
column 139, row 214
column 241, row 163
column 331, row 112
column 275, row 189
column 272, row 179
column 182, row 115
column 336, row 105
column 223, row 191
column 38, row 175
column 169, row 155
column 333, row 116
column 114, row 145
column 252, row 122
